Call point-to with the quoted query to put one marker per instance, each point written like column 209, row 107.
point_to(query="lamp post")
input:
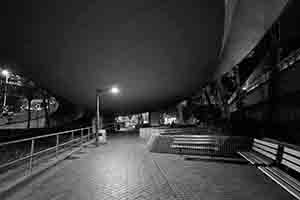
column 99, row 92
column 6, row 74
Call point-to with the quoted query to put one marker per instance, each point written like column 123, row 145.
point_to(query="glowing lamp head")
column 5, row 72
column 114, row 90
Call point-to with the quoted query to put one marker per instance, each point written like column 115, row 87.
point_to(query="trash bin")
column 102, row 136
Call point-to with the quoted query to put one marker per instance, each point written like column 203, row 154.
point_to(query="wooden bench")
column 206, row 143
column 290, row 160
column 262, row 152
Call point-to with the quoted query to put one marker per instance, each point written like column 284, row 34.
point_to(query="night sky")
column 157, row 52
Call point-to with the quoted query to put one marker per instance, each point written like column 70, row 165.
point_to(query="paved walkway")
column 124, row 169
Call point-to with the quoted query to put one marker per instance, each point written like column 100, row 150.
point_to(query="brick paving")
column 123, row 169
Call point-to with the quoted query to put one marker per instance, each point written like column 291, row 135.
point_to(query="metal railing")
column 83, row 135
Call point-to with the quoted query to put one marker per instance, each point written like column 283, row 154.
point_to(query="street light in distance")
column 115, row 90
column 5, row 72
column 99, row 92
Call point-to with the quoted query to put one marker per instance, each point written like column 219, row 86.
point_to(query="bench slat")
column 283, row 184
column 258, row 159
column 247, row 157
column 266, row 148
column 292, row 181
column 261, row 159
column 291, row 151
column 292, row 159
column 290, row 164
column 264, row 153
column 270, row 144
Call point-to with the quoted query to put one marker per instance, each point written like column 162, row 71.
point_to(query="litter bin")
column 102, row 137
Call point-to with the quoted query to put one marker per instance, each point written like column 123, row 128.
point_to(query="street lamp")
column 113, row 90
column 6, row 74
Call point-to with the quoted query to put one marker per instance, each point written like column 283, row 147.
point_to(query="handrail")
column 56, row 147
column 41, row 136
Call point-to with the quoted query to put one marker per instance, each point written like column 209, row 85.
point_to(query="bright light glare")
column 5, row 72
column 115, row 90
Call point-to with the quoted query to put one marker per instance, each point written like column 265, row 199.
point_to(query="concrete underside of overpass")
column 158, row 53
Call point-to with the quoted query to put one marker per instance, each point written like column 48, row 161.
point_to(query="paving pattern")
column 123, row 169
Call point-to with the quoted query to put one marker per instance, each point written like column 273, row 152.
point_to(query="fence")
column 225, row 145
column 39, row 145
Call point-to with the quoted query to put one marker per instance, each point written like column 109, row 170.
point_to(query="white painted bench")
column 290, row 160
column 262, row 152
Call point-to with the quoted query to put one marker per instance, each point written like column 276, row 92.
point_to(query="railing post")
column 31, row 155
column 72, row 138
column 81, row 136
column 57, row 143
column 88, row 134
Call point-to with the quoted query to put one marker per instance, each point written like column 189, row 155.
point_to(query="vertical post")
column 57, row 143
column 72, row 138
column 5, row 91
column 29, row 112
column 88, row 137
column 31, row 155
column 46, row 107
column 98, row 117
column 81, row 135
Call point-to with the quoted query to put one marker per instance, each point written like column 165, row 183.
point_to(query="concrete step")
column 194, row 139
column 195, row 142
column 192, row 136
column 194, row 147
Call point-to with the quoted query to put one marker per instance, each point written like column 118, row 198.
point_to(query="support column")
column 221, row 98
column 207, row 97
column 239, row 95
column 274, row 75
column 180, row 114
column 154, row 118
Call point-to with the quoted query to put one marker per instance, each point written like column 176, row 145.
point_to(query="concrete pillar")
column 180, row 108
column 154, row 118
